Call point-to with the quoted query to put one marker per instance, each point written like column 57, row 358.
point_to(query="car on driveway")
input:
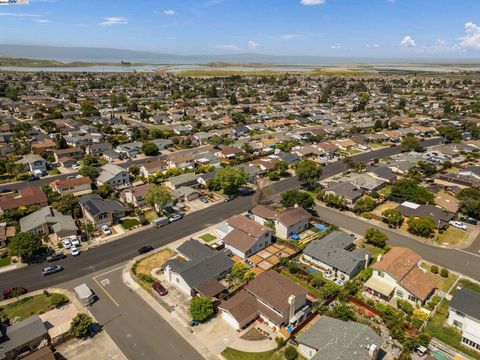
column 74, row 251
column 106, row 230
column 229, row 198
column 472, row 221
column 74, row 240
column 204, row 199
column 52, row 269
column 145, row 249
column 66, row 243
column 159, row 288
column 458, row 225
column 13, row 292
column 175, row 217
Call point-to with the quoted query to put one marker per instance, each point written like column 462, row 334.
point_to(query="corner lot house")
column 203, row 266
column 397, row 275
column 288, row 222
column 49, row 221
column 332, row 339
column 113, row 175
column 246, row 237
column 464, row 313
column 273, row 297
column 337, row 253
column 101, row 211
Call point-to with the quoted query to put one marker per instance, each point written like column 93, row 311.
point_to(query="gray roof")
column 203, row 263
column 345, row 189
column 466, row 301
column 31, row 158
column 109, row 171
column 48, row 215
column 95, row 205
column 383, row 172
column 332, row 250
column 184, row 191
column 183, row 180
column 23, row 332
column 339, row 340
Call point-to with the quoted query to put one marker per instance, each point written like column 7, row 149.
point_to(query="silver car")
column 52, row 269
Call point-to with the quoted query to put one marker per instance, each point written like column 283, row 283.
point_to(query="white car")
column 74, row 240
column 106, row 230
column 74, row 251
column 458, row 225
column 75, row 167
column 66, row 243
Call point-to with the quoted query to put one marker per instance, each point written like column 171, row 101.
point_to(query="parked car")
column 471, row 220
column 106, row 230
column 70, row 177
column 56, row 257
column 458, row 225
column 175, row 217
column 204, row 199
column 145, row 249
column 4, row 191
column 66, row 243
column 159, row 288
column 75, row 167
column 74, row 251
column 74, row 240
column 51, row 269
column 229, row 198
column 13, row 292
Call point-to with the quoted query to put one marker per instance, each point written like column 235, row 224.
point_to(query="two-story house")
column 153, row 167
column 136, row 195
column 35, row 164
column 113, row 175
column 100, row 211
column 77, row 186
column 287, row 222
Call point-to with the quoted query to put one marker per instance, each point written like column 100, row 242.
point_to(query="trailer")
column 85, row 295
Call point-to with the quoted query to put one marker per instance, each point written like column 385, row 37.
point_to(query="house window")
column 380, row 273
column 459, row 314
column 412, row 298
column 458, row 324
column 400, row 293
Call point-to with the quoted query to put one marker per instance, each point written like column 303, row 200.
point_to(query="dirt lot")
column 146, row 265
column 386, row 205
column 99, row 347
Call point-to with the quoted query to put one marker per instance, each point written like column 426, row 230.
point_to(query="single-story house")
column 77, row 186
column 48, row 221
column 101, row 211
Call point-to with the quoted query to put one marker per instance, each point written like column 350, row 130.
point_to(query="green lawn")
column 127, row 224
column 151, row 215
column 208, row 237
column 443, row 284
column 232, row 354
column 28, row 306
column 54, row 171
column 5, row 261
column 386, row 190
column 307, row 287
column 449, row 335
column 452, row 236
column 373, row 250
column 470, row 285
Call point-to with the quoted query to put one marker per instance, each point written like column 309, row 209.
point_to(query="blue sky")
column 367, row 28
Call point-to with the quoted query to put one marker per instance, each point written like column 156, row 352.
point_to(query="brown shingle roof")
column 240, row 240
column 242, row 306
column 293, row 216
column 247, row 226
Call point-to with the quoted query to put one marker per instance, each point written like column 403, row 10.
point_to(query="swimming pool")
column 440, row 355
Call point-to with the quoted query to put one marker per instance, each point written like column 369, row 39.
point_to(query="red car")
column 159, row 289
column 13, row 292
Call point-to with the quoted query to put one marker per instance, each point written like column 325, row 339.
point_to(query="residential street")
column 137, row 329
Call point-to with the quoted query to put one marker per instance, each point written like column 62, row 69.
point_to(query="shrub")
column 291, row 353
column 58, row 300
column 280, row 341
column 444, row 273
column 317, row 282
column 405, row 306
column 80, row 326
column 201, row 308
column 434, row 269
column 376, row 237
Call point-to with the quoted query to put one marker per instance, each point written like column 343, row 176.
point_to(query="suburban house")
column 130, row 149
column 43, row 147
column 438, row 215
column 6, row 233
column 74, row 153
column 182, row 161
column 271, row 296
column 333, row 339
column 229, row 152
column 100, row 211
column 348, row 191
column 153, row 167
column 337, row 254
column 246, row 237
column 203, row 267
column 76, row 186
column 187, row 179
column 98, row 149
column 185, row 194
column 291, row 221
column 136, row 195
column 47, row 221
column 28, row 196
column 35, row 164
column 464, row 314
column 397, row 275
column 113, row 175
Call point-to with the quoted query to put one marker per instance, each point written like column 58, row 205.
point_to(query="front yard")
column 452, row 236
column 31, row 305
column 232, row 354
column 208, row 237
column 146, row 265
column 5, row 261
column 444, row 284
column 130, row 223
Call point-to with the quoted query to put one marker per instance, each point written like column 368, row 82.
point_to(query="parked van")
column 85, row 295
column 161, row 221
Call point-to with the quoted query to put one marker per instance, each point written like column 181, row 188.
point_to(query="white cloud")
column 471, row 40
column 252, row 44
column 230, row 47
column 407, row 41
column 291, row 36
column 336, row 46
column 114, row 20
column 42, row 21
column 169, row 12
column 19, row 14
column 313, row 2
column 372, row 46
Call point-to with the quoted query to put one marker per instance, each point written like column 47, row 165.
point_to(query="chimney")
column 372, row 351
column 291, row 308
column 367, row 260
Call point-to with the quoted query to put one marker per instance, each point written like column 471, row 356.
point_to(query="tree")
column 335, row 201
column 201, row 308
column 104, row 191
column 249, row 276
column 376, row 237
column 25, row 245
column 290, row 353
column 411, row 143
column 469, row 193
column 471, row 208
column 89, row 171
column 66, row 204
column 158, row 196
column 450, row 133
column 262, row 193
column 89, row 160
column 364, row 204
column 134, row 170
column 291, row 198
column 281, row 168
column 80, row 326
column 239, row 270
column 393, row 217
column 421, row 226
column 60, row 142
column 343, row 312
column 309, row 171
column 409, row 190
column 428, row 169
column 88, row 109
column 89, row 228
column 150, row 149
column 229, row 180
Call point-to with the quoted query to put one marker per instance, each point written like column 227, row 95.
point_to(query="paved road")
column 125, row 248
column 457, row 260
column 137, row 329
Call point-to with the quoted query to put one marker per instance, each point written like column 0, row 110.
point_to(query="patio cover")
column 380, row 286
column 210, row 288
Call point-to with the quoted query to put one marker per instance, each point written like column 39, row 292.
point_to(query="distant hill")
column 93, row 54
